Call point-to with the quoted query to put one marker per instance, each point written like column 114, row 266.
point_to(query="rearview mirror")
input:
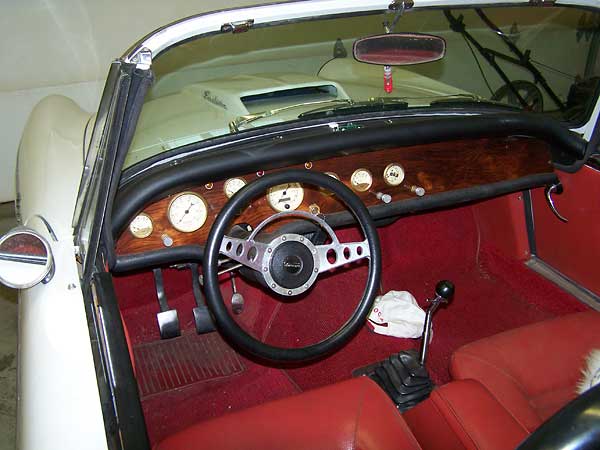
column 25, row 258
column 399, row 49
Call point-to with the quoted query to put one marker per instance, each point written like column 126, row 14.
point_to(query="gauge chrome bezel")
column 274, row 208
column 229, row 180
column 356, row 187
column 144, row 235
column 181, row 194
column 385, row 178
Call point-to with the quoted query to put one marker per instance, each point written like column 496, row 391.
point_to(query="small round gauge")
column 187, row 212
column 285, row 197
column 332, row 175
column 233, row 185
column 141, row 227
column 361, row 180
column 393, row 174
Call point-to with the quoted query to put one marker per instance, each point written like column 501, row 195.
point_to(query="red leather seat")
column 464, row 415
column 354, row 414
column 532, row 371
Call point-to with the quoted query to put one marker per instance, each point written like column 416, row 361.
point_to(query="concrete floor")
column 8, row 347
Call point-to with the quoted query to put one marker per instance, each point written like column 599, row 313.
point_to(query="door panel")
column 572, row 248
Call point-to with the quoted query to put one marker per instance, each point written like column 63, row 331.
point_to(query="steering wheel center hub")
column 292, row 264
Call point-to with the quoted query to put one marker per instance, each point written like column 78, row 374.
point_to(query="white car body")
column 58, row 402
column 58, row 399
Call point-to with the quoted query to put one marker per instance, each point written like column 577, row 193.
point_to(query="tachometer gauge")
column 141, row 227
column 285, row 197
column 361, row 180
column 233, row 185
column 393, row 174
column 187, row 212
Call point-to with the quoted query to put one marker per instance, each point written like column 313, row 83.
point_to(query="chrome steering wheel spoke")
column 316, row 258
column 248, row 252
column 338, row 254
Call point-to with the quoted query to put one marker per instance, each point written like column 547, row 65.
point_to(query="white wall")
column 65, row 47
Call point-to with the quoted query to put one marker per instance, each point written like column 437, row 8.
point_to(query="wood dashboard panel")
column 437, row 168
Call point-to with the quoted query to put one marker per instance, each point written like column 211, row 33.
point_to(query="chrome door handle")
column 556, row 188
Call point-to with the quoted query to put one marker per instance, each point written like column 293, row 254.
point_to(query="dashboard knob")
column 418, row 191
column 385, row 198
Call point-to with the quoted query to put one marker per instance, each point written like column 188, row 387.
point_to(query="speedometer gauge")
column 187, row 212
column 285, row 197
column 141, row 227
column 361, row 180
column 393, row 174
column 233, row 185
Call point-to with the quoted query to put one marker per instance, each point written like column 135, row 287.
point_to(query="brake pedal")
column 168, row 319
column 202, row 317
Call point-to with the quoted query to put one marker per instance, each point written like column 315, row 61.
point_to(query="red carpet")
column 493, row 294
column 172, row 364
column 177, row 409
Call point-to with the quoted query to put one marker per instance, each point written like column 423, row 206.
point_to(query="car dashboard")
column 385, row 178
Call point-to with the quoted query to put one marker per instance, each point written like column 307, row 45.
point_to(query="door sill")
column 576, row 290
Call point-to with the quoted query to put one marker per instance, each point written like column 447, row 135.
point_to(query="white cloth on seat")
column 397, row 314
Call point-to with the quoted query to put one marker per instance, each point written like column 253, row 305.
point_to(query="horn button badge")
column 293, row 265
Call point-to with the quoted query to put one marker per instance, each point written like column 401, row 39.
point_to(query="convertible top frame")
column 522, row 59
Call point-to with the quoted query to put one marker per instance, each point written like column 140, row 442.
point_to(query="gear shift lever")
column 444, row 291
column 403, row 376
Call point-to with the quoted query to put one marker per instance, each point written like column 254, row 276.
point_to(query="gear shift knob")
column 444, row 289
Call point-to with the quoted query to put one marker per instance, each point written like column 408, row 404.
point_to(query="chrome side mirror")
column 25, row 259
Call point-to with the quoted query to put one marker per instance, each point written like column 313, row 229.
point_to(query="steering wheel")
column 290, row 263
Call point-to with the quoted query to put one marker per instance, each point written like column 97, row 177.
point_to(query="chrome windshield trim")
column 195, row 26
column 91, row 150
column 163, row 38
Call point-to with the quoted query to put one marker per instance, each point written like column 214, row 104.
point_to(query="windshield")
column 542, row 60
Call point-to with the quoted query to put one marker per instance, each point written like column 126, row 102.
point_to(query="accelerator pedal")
column 402, row 378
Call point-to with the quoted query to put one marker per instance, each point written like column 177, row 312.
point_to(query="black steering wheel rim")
column 227, row 325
